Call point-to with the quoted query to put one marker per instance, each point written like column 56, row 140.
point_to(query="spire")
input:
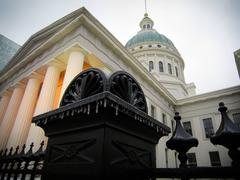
column 146, row 23
column 145, row 7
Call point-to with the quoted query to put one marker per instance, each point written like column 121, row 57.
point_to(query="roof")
column 149, row 36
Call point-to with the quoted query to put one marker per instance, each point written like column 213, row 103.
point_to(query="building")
column 237, row 60
column 35, row 78
column 7, row 49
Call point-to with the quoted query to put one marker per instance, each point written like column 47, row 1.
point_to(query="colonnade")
column 23, row 101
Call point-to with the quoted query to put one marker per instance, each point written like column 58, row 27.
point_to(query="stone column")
column 23, row 120
column 3, row 104
column 74, row 67
column 45, row 103
column 10, row 115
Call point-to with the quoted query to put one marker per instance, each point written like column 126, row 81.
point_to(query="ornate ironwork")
column 127, row 88
column 94, row 81
column 85, row 84
column 26, row 165
column 228, row 135
column 181, row 141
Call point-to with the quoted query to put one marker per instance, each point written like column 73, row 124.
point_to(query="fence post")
column 103, row 135
column 228, row 135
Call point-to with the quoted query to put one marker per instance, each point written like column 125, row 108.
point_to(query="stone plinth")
column 99, row 137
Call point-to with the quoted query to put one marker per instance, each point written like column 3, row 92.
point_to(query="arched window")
column 169, row 68
column 148, row 26
column 150, row 66
column 176, row 69
column 160, row 66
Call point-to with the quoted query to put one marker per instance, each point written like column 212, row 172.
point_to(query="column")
column 74, row 67
column 23, row 120
column 3, row 104
column 10, row 115
column 45, row 103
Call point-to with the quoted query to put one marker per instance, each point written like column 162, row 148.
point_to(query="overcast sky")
column 206, row 32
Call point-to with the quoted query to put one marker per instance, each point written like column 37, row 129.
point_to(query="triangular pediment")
column 39, row 38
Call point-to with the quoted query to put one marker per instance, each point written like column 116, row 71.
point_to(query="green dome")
column 151, row 36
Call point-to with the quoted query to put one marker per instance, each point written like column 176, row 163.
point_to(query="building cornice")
column 209, row 95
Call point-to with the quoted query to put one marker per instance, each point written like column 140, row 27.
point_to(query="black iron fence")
column 20, row 165
column 105, row 133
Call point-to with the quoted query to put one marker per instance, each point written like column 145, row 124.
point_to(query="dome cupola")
column 148, row 35
column 146, row 22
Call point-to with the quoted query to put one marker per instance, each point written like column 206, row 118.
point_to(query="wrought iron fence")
column 227, row 135
column 21, row 165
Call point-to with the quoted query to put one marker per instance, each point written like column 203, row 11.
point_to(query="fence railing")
column 21, row 165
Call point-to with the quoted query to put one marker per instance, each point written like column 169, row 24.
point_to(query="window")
column 164, row 118
column 160, row 66
column 159, row 46
column 187, row 127
column 176, row 69
column 153, row 111
column 144, row 26
column 192, row 161
column 140, row 47
column 150, row 66
column 169, row 68
column 214, row 158
column 148, row 26
column 236, row 118
column 149, row 45
column 208, row 126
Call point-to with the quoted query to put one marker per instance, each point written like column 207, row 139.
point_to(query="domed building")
column 35, row 78
column 158, row 54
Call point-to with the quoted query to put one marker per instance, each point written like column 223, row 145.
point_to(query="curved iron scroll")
column 127, row 88
column 85, row 84
column 94, row 81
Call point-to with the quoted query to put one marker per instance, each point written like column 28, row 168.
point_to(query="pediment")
column 42, row 36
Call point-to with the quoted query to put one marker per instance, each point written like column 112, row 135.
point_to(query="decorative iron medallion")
column 126, row 87
column 85, row 84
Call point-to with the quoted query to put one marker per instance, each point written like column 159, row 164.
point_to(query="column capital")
column 19, row 85
column 76, row 48
column 56, row 63
column 36, row 75
column 5, row 93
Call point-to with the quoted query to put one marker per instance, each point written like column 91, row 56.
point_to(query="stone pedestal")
column 101, row 130
column 99, row 137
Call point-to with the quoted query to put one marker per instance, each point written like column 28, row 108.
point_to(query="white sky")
column 206, row 32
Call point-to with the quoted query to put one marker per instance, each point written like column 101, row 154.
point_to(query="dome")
column 148, row 34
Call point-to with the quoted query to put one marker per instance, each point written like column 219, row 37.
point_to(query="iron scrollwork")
column 94, row 81
column 85, row 84
column 126, row 87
